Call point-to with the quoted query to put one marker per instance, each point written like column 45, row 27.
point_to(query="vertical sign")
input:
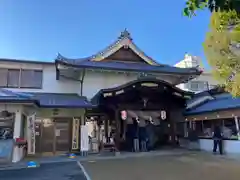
column 75, row 133
column 31, row 133
column 84, row 138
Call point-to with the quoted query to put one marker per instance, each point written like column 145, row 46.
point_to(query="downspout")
column 81, row 81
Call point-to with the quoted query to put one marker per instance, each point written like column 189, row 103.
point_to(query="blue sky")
column 39, row 29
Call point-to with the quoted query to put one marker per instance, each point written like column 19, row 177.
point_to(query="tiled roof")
column 124, row 39
column 6, row 96
column 138, row 67
column 222, row 101
column 60, row 100
column 48, row 100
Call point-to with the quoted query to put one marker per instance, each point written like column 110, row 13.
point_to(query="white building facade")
column 43, row 104
column 201, row 83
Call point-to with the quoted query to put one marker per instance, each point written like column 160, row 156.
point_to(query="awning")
column 219, row 102
column 46, row 100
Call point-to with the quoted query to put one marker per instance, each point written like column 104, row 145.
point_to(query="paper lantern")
column 124, row 115
column 163, row 115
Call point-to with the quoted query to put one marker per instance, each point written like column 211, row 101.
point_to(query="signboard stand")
column 84, row 140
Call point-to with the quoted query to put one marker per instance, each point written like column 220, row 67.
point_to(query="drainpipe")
column 81, row 81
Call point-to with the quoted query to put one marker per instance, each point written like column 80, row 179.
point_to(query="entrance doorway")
column 55, row 137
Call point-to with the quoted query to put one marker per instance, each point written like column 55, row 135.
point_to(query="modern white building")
column 44, row 104
column 201, row 83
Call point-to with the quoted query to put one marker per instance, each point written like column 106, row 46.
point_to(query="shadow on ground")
column 51, row 171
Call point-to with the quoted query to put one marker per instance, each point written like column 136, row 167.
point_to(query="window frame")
column 31, row 86
column 199, row 84
column 4, row 69
column 19, row 86
column 19, row 76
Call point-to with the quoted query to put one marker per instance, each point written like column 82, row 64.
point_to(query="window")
column 229, row 129
column 13, row 78
column 3, row 77
column 31, row 79
column 197, row 85
column 16, row 78
column 205, row 128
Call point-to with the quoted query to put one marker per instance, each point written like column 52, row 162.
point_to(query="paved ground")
column 179, row 167
column 51, row 171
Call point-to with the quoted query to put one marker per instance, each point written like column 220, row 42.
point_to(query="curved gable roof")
column 94, row 100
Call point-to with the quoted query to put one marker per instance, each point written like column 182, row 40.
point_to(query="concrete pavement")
column 50, row 171
column 194, row 166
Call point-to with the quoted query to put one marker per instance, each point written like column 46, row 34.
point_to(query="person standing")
column 142, row 135
column 217, row 140
column 136, row 135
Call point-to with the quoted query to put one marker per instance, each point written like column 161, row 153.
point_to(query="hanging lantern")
column 138, row 120
column 151, row 120
column 124, row 115
column 163, row 115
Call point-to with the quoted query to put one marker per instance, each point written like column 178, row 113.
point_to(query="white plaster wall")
column 95, row 81
column 50, row 84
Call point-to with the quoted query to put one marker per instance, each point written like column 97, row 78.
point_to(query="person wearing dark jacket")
column 217, row 140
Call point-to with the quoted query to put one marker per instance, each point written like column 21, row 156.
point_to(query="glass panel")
column 38, row 79
column 7, row 127
column 13, row 78
column 3, row 77
column 207, row 128
column 38, row 126
column 47, row 135
column 229, row 129
column 31, row 79
column 27, row 78
column 62, row 135
column 198, row 85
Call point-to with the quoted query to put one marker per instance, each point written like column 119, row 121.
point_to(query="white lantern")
column 124, row 115
column 163, row 115
column 151, row 120
column 137, row 119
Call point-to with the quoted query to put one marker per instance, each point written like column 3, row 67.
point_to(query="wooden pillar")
column 237, row 126
column 172, row 131
column 106, row 127
column 98, row 134
column 118, row 128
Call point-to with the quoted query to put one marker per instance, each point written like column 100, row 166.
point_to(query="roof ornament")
column 125, row 34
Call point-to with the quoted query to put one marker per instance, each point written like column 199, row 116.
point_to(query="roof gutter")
column 82, row 81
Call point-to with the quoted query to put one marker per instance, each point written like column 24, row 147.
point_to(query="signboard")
column 84, row 138
column 6, row 149
column 75, row 133
column 149, row 84
column 31, row 133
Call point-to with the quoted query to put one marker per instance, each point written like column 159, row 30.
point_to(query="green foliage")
column 221, row 49
column 213, row 5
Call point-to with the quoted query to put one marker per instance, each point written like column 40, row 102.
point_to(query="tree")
column 222, row 49
column 212, row 5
